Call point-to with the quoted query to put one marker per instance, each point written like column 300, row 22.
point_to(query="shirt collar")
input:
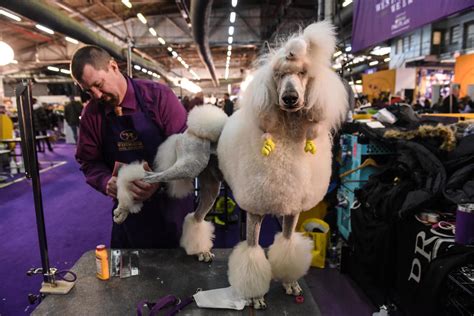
column 129, row 101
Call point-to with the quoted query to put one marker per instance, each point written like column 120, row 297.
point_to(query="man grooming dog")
column 126, row 121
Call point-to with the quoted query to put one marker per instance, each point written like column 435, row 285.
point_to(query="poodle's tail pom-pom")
column 249, row 272
column 322, row 39
column 206, row 121
column 197, row 236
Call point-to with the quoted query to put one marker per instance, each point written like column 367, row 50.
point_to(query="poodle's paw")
column 293, row 288
column 310, row 147
column 120, row 215
column 206, row 256
column 257, row 303
column 268, row 147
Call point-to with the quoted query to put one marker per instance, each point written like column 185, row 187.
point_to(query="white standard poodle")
column 275, row 154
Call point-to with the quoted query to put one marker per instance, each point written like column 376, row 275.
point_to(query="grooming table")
column 162, row 272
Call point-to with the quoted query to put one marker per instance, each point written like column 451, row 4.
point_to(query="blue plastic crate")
column 354, row 154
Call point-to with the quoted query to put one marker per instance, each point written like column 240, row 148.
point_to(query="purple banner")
column 375, row 21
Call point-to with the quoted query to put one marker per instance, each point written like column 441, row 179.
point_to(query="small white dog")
column 275, row 154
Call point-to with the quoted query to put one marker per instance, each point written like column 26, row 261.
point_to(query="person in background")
column 228, row 105
column 197, row 100
column 41, row 124
column 445, row 108
column 185, row 102
column 72, row 114
column 468, row 105
column 126, row 121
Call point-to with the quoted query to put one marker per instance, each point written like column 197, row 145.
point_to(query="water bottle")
column 21, row 166
column 333, row 257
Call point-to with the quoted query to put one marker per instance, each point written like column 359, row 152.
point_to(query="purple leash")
column 163, row 302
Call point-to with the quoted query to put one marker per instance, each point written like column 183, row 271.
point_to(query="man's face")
column 102, row 85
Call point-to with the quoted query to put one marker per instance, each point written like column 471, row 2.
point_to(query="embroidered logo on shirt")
column 130, row 141
column 128, row 135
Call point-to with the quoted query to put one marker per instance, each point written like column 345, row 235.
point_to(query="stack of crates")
column 353, row 155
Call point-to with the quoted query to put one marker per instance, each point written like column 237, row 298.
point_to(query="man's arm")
column 89, row 155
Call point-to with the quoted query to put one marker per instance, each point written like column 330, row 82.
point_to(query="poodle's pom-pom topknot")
column 295, row 49
column 206, row 121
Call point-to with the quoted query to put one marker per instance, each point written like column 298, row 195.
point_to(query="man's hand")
column 141, row 190
column 111, row 188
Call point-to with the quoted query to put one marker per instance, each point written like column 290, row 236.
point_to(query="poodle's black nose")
column 290, row 99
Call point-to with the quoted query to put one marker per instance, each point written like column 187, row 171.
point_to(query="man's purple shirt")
column 169, row 114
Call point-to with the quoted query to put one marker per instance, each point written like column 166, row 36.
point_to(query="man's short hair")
column 95, row 56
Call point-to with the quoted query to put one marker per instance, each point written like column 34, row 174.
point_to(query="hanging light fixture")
column 6, row 54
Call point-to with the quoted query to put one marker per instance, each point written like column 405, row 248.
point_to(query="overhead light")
column 230, row 40
column 7, row 54
column 348, row 48
column 336, row 54
column 141, row 18
column 451, row 60
column 65, row 71
column 161, row 40
column 337, row 66
column 150, row 72
column 226, row 75
column 358, row 81
column 44, row 29
column 234, row 3
column 229, row 47
column 189, row 25
column 175, row 54
column 144, row 70
column 386, row 59
column 51, row 68
column 127, row 3
column 186, row 66
column 183, row 13
column 232, row 17
column 229, row 53
column 14, row 61
column 380, row 51
column 180, row 59
column 373, row 63
column 346, row 3
column 152, row 31
column 228, row 58
column 231, row 30
column 10, row 15
column 72, row 40
column 137, row 67
column 170, row 49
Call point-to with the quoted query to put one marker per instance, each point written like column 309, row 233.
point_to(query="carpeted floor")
column 78, row 218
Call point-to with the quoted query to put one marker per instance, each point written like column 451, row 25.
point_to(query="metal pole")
column 129, row 58
column 28, row 148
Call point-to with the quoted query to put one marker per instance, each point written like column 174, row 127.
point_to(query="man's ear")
column 113, row 65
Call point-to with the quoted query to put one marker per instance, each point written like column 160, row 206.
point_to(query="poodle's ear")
column 327, row 94
column 261, row 91
column 322, row 41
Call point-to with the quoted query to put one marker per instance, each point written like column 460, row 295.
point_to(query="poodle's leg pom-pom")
column 250, row 273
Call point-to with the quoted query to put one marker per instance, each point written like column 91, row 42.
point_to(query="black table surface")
column 162, row 272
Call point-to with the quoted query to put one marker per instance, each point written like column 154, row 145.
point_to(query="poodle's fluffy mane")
column 322, row 102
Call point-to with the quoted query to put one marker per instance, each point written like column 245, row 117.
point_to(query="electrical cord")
column 63, row 273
